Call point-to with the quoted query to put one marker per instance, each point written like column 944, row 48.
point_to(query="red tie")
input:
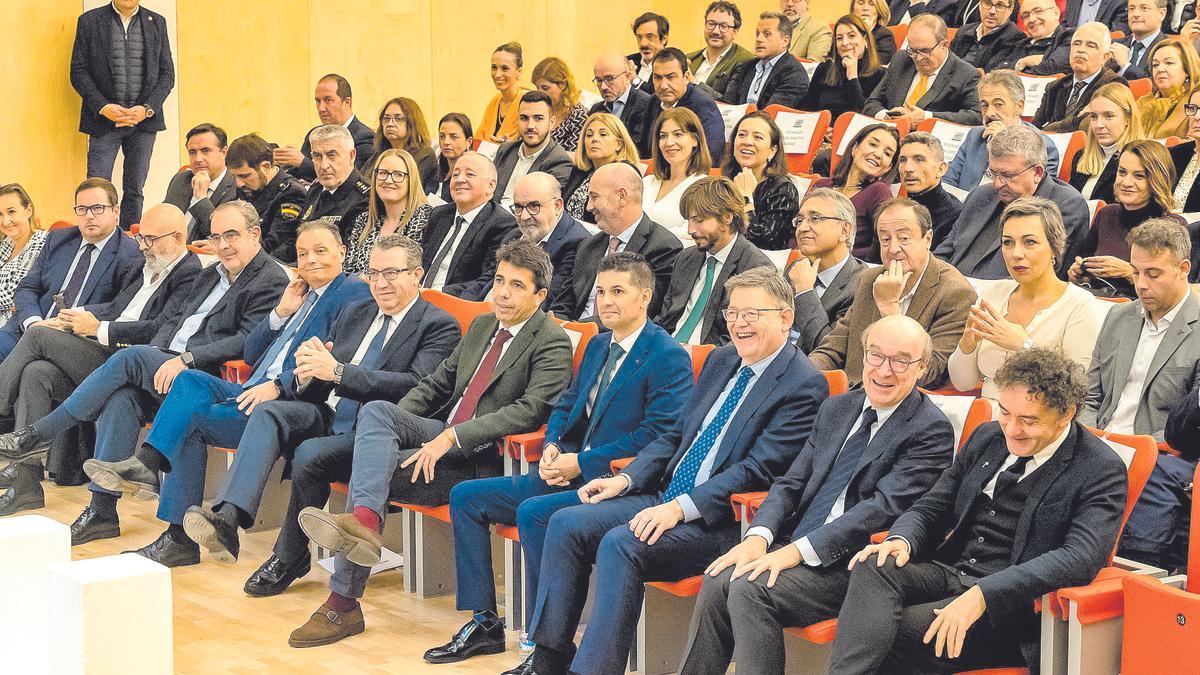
column 479, row 383
column 613, row 243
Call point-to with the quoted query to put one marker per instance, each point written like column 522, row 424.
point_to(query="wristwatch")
column 1027, row 344
column 187, row 359
column 149, row 111
column 338, row 371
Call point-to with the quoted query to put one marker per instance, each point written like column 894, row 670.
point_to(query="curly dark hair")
column 1048, row 374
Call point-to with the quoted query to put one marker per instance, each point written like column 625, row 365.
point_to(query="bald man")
column 615, row 196
column 462, row 237
column 51, row 360
column 614, row 80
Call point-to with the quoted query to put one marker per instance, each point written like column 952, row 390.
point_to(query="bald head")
column 472, row 182
column 902, row 350
column 615, row 196
column 613, row 75
column 540, row 192
column 162, row 234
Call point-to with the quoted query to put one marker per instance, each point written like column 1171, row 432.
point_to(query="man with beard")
column 274, row 193
column 533, row 151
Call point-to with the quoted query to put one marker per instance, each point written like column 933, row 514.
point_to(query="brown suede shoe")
column 342, row 533
column 326, row 627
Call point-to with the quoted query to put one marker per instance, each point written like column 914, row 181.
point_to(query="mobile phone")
column 60, row 303
column 894, row 113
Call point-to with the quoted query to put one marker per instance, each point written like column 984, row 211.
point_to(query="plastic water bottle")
column 526, row 645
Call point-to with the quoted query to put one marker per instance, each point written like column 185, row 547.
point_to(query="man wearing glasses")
column 533, row 151
column 340, row 192
column 1016, row 168
column 712, row 66
column 204, row 331
column 927, row 80
column 985, row 43
column 614, row 81
column 811, row 38
column 53, row 357
column 1047, row 47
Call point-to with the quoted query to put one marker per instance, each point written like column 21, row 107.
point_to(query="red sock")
column 340, row 603
column 367, row 517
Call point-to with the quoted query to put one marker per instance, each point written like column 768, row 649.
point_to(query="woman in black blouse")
column 1186, row 158
column 876, row 15
column 402, row 127
column 758, row 167
column 848, row 75
column 455, row 138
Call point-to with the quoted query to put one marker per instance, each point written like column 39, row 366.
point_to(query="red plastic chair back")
column 848, row 124
column 699, row 354
column 837, row 381
column 801, row 162
column 586, row 331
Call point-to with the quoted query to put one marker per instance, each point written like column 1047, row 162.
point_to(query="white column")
column 29, row 546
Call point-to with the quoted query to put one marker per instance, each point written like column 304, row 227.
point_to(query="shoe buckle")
column 333, row 617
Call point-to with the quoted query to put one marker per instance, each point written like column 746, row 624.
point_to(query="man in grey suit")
column 1017, row 168
column 825, row 275
column 204, row 184
column 714, row 211
column 1145, row 361
column 502, row 379
column 927, row 80
column 534, row 151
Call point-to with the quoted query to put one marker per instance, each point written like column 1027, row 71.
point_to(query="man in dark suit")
column 86, row 265
column 461, row 238
column 380, row 348
column 825, row 275
column 502, row 379
column 910, row 282
column 335, row 106
column 636, row 108
column 631, row 387
column 623, row 227
column 1016, row 164
column 533, row 151
column 773, row 76
column 697, row 294
column 1178, row 14
column 1183, row 426
column 122, row 69
column 667, row 515
column 927, row 80
column 1111, row 13
column 1031, row 504
column 712, row 65
column 205, row 183
column 903, row 11
column 986, row 43
column 52, row 359
column 541, row 219
column 1064, row 102
column 223, row 304
column 672, row 89
column 202, row 409
column 871, row 454
column 922, row 165
column 1047, row 45
column 339, row 194
column 651, row 31
column 1131, row 54
column 276, row 195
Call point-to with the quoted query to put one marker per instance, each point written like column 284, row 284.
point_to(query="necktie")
column 839, row 477
column 1135, row 52
column 1076, row 90
column 71, row 292
column 918, row 91
column 689, row 326
column 346, row 411
column 614, row 354
column 443, row 252
column 479, row 383
column 613, row 243
column 756, row 85
column 281, row 341
column 685, row 474
column 1010, row 476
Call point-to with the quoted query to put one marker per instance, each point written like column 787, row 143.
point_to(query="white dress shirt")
column 720, row 256
column 369, row 337
column 906, row 301
column 664, row 209
column 513, row 330
column 1089, row 186
column 706, row 67
column 519, row 170
column 212, row 186
column 1151, row 337
column 826, row 277
column 191, row 325
column 91, row 266
column 125, row 21
column 133, row 311
column 1039, row 458
column 624, row 238
column 443, row 269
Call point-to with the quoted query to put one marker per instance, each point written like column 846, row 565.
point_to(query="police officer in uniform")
column 275, row 194
column 340, row 193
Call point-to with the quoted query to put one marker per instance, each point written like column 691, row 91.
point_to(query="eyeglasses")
column 143, row 240
column 607, row 80
column 394, row 176
column 1005, row 179
column 814, row 219
column 897, row 364
column 392, row 118
column 922, row 53
column 390, row 274
column 231, row 237
column 723, row 27
column 96, row 209
column 1036, row 11
column 1002, row 6
column 750, row 315
column 532, row 208
column 1190, row 109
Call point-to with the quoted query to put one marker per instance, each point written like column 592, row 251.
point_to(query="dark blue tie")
column 281, row 341
column 839, row 477
column 346, row 411
column 78, row 276
column 684, row 479
column 614, row 354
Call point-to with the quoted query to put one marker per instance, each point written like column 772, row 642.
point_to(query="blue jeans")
column 138, row 146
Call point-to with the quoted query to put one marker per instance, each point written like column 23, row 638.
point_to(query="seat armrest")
column 236, row 371
column 528, row 445
column 618, row 464
column 745, row 504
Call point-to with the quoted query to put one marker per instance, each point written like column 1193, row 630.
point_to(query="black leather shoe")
column 543, row 662
column 275, row 576
column 23, row 444
column 214, row 532
column 526, row 667
column 90, row 526
column 481, row 635
column 166, row 551
column 10, row 474
column 128, row 476
column 22, row 498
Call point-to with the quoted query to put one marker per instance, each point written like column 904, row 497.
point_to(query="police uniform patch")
column 363, row 186
column 308, row 212
column 290, row 211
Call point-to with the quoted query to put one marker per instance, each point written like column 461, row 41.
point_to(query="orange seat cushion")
column 441, row 513
column 820, row 633
column 684, row 588
column 509, row 532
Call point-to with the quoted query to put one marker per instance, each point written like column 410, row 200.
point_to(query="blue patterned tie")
column 346, row 411
column 264, row 364
column 839, row 477
column 614, row 354
column 685, row 474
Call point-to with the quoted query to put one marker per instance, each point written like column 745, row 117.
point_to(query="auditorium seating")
column 848, row 124
column 808, row 130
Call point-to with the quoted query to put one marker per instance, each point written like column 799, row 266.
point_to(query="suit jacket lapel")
column 841, row 280
column 471, row 356
column 243, row 279
column 978, row 476
column 884, row 440
column 589, row 372
column 641, row 234
column 405, row 331
column 939, row 83
column 753, row 399
column 104, row 260
column 1128, row 335
column 926, row 290
column 357, row 332
column 1043, row 477
column 701, row 407
column 632, row 363
column 520, row 343
column 1180, row 329
column 718, row 289
column 473, row 229
column 854, row 405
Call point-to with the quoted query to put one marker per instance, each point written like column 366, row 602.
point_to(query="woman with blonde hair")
column 499, row 122
column 876, row 15
column 1143, row 190
column 395, row 205
column 23, row 240
column 1174, row 70
column 604, row 140
column 552, row 76
column 681, row 158
column 1111, row 124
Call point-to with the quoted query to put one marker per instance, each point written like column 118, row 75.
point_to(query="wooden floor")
column 219, row 629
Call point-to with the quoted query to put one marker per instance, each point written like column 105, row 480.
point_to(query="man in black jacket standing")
column 121, row 66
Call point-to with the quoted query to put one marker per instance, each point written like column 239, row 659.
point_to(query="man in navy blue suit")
column 667, row 515
column 87, row 265
column 673, row 89
column 871, row 454
column 203, row 409
column 631, row 387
